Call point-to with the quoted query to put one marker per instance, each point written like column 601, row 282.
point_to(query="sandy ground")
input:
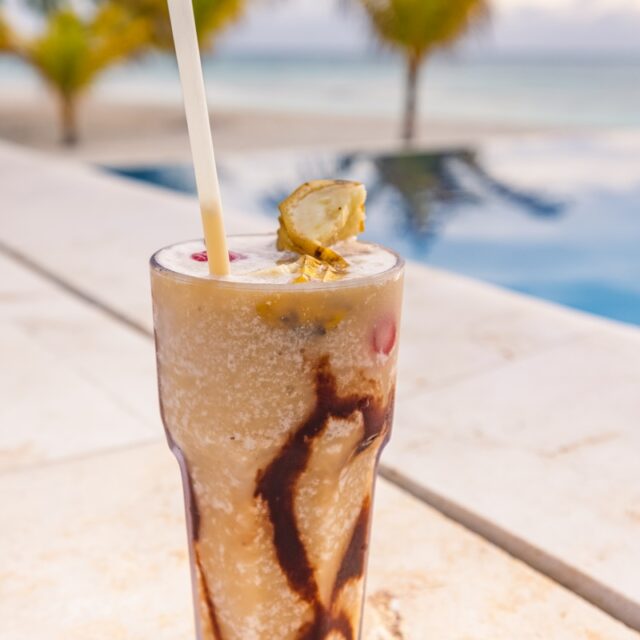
column 150, row 133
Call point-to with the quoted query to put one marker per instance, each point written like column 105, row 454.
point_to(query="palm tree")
column 417, row 28
column 6, row 37
column 72, row 51
column 212, row 16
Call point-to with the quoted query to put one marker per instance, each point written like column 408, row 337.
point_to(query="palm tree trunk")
column 68, row 120
column 411, row 99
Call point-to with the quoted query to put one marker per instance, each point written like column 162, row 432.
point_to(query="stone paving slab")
column 49, row 411
column 73, row 380
column 95, row 548
column 546, row 448
column 70, row 219
column 454, row 328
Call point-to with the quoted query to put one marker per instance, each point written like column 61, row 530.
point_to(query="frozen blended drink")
column 276, row 387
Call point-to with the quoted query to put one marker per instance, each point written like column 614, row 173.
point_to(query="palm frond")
column 6, row 35
column 212, row 16
column 116, row 35
column 71, row 52
column 418, row 27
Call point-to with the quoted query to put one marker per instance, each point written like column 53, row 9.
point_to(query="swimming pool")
column 557, row 218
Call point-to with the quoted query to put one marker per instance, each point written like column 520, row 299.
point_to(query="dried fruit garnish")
column 319, row 214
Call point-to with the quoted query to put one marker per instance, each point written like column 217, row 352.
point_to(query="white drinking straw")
column 185, row 39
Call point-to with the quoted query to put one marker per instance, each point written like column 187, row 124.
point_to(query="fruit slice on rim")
column 319, row 214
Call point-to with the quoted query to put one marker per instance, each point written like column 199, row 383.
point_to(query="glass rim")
column 220, row 281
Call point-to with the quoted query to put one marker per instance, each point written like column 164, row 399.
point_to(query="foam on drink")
column 256, row 259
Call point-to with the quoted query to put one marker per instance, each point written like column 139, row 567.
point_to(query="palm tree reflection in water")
column 423, row 190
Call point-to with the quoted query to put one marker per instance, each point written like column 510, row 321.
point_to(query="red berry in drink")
column 384, row 335
column 200, row 256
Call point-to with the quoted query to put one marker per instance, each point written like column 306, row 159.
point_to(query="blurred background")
column 498, row 138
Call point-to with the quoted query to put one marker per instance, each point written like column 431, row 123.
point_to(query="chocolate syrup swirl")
column 352, row 567
column 276, row 485
column 353, row 562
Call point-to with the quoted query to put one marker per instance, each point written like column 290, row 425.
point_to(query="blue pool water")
column 557, row 218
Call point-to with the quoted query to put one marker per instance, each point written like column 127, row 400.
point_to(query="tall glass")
column 277, row 400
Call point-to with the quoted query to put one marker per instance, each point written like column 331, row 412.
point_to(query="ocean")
column 526, row 91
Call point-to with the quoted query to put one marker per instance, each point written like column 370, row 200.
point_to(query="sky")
column 574, row 27
column 584, row 27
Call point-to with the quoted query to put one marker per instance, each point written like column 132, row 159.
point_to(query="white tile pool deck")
column 518, row 419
